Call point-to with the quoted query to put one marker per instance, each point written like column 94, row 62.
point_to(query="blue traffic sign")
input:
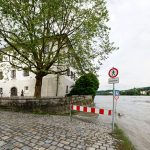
column 117, row 93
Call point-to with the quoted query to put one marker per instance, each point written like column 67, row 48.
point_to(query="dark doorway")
column 13, row 91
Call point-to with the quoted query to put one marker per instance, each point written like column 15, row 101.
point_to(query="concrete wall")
column 45, row 104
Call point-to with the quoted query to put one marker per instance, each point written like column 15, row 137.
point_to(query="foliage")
column 86, row 85
column 133, row 91
column 27, row 26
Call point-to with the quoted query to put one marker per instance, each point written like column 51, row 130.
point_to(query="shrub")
column 87, row 84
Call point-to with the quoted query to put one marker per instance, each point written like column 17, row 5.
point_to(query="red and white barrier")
column 92, row 110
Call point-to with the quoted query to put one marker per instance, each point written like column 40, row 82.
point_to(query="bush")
column 85, row 85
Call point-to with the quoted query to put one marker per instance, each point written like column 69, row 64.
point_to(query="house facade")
column 15, row 82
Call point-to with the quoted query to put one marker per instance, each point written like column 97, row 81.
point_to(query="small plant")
column 123, row 142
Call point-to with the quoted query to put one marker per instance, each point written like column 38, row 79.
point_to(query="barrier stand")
column 70, row 107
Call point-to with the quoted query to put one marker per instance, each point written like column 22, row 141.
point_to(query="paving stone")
column 34, row 140
column 41, row 148
column 31, row 144
column 16, row 148
column 52, row 147
column 20, row 131
column 64, row 142
column 67, row 147
column 26, row 148
column 18, row 144
column 5, row 137
column 74, row 149
column 60, row 145
column 8, row 146
column 48, row 141
column 41, row 143
column 2, row 143
column 73, row 145
column 59, row 148
column 81, row 147
column 54, row 143
column 102, row 148
column 90, row 148
column 46, row 145
column 95, row 146
column 110, row 148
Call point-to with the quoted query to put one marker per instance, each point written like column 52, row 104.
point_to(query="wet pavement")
column 20, row 131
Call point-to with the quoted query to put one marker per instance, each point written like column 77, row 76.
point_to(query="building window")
column 1, row 57
column 67, row 89
column 26, row 88
column 1, row 90
column 13, row 91
column 5, row 58
column 46, row 49
column 13, row 74
column 25, row 73
column 72, row 75
column 68, row 72
column 1, row 75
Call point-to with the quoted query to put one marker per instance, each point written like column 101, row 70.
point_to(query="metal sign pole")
column 115, row 109
column 113, row 115
column 113, row 72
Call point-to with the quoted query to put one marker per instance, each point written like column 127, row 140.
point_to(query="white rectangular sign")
column 113, row 80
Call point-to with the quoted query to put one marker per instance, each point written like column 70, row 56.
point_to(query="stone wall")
column 44, row 104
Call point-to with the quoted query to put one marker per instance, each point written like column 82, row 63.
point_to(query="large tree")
column 27, row 26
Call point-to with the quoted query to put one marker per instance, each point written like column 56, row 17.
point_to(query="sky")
column 130, row 30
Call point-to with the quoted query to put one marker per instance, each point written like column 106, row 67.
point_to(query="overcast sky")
column 130, row 30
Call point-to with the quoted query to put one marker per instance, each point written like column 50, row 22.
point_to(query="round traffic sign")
column 113, row 72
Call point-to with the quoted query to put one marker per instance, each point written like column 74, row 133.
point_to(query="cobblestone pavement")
column 20, row 131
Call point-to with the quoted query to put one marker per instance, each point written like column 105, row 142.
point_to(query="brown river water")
column 134, row 119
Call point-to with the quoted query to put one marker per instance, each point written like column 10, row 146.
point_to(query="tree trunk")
column 38, row 86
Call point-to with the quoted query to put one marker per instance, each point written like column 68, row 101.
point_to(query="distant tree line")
column 134, row 91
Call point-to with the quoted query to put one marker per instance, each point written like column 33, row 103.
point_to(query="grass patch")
column 123, row 142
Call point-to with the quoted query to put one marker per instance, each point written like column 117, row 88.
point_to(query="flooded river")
column 134, row 119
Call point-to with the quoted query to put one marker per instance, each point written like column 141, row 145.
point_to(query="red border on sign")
column 111, row 70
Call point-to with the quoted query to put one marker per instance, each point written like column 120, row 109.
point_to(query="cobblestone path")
column 20, row 131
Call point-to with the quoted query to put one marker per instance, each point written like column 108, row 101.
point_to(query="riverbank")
column 123, row 142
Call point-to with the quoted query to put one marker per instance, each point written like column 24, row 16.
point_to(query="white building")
column 143, row 92
column 13, row 81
